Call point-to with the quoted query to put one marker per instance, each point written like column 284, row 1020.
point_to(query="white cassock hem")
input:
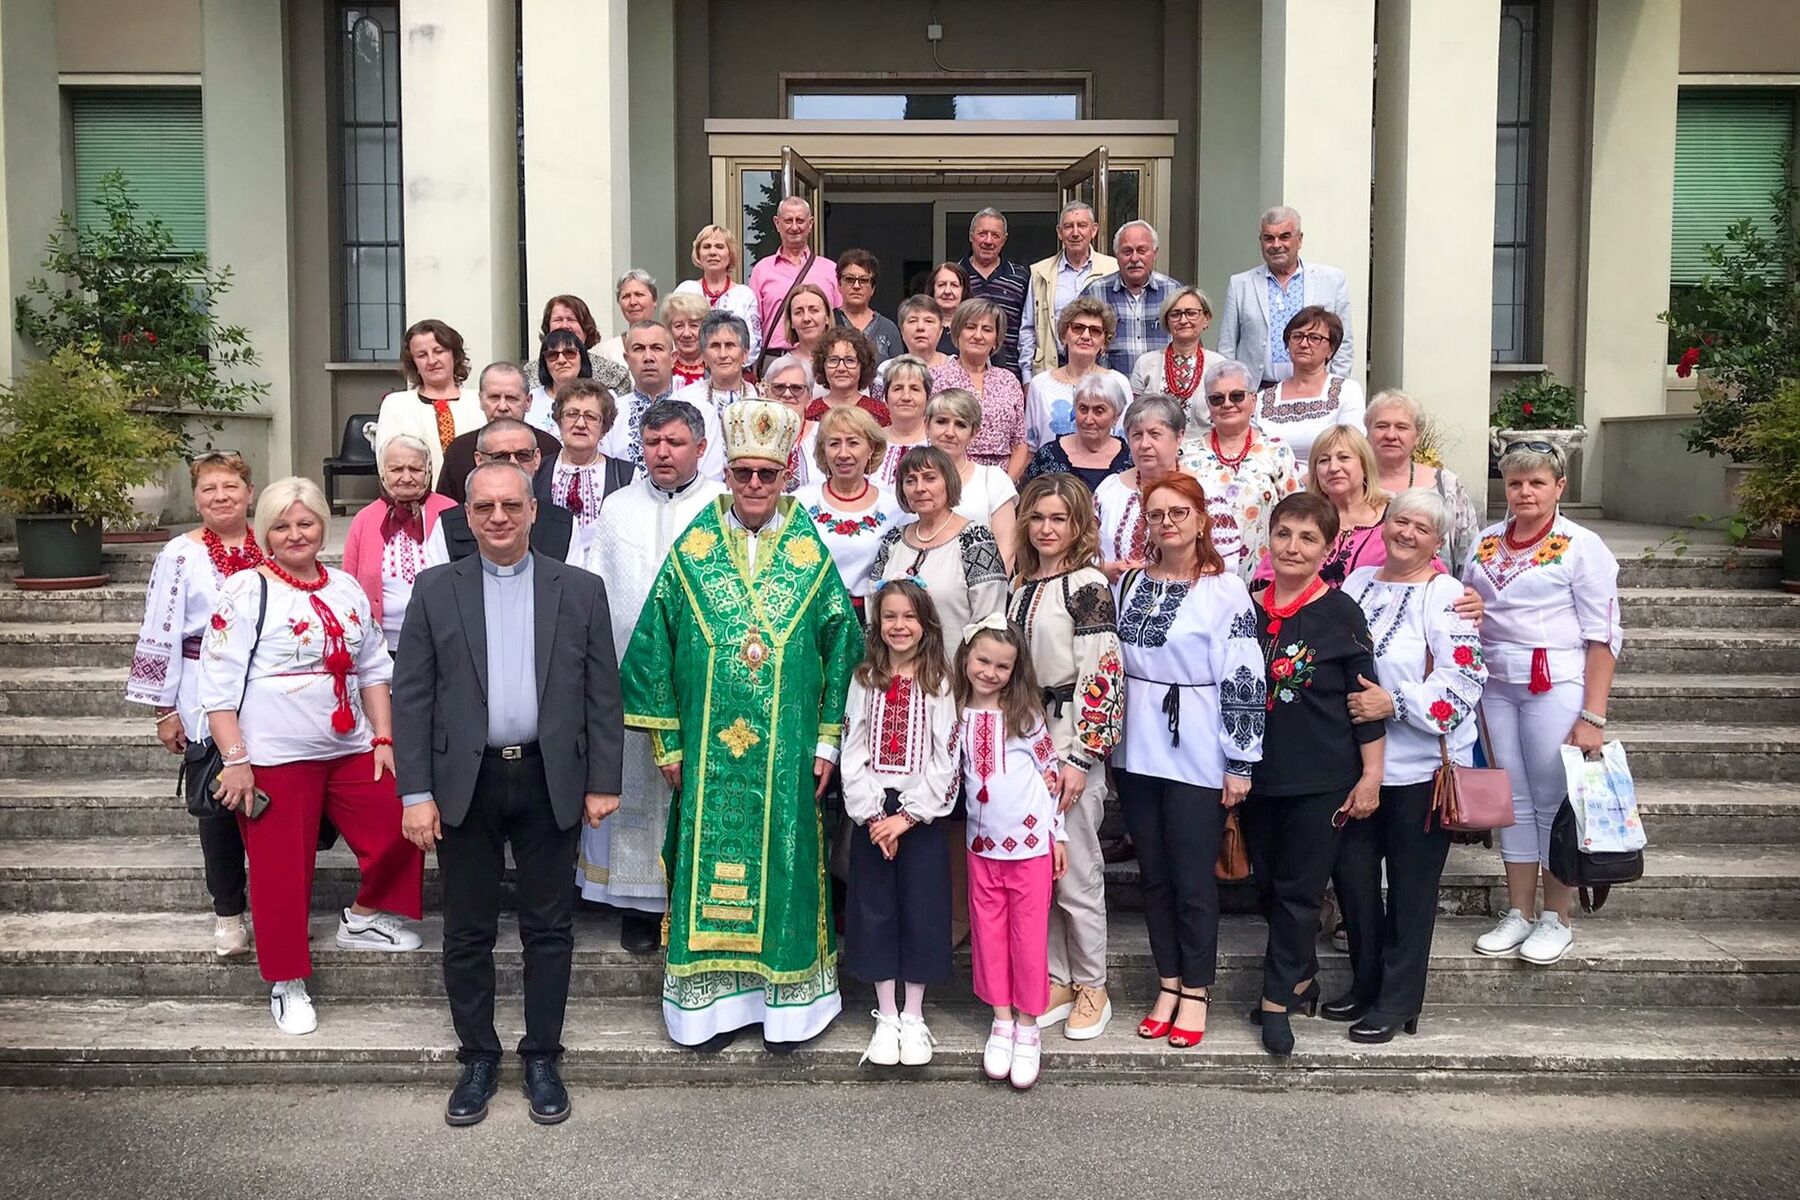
column 596, row 852
column 787, row 1023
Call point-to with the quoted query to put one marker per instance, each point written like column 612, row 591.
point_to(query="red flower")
column 355, row 617
column 1282, row 668
column 125, row 338
column 1464, row 656
column 1690, row 358
column 149, row 337
column 299, row 627
column 1527, row 408
column 1441, row 712
column 218, row 622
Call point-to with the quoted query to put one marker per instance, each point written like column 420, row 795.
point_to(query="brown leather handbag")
column 1234, row 861
column 1468, row 799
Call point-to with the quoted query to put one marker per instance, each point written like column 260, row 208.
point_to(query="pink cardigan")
column 363, row 546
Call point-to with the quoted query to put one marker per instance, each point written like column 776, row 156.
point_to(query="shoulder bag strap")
column 262, row 611
column 781, row 314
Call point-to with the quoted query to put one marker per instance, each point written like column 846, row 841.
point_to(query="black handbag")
column 1594, row 874
column 202, row 761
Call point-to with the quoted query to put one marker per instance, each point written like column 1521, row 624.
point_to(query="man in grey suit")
column 508, row 727
column 1260, row 302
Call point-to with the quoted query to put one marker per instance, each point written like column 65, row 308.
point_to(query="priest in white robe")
column 621, row 862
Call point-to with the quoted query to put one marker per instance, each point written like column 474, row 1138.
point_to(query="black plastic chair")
column 355, row 456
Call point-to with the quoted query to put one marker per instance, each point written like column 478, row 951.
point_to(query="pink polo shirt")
column 771, row 278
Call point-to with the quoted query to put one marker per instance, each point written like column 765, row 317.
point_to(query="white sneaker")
column 1028, row 1048
column 1505, row 938
column 293, row 1008
column 1548, row 942
column 377, row 931
column 915, row 1041
column 884, row 1044
column 997, row 1057
column 231, row 935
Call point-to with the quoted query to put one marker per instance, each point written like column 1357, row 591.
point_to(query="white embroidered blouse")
column 1406, row 621
column 1008, row 787
column 1123, row 535
column 964, row 577
column 899, row 737
column 854, row 538
column 1239, row 497
column 1299, row 420
column 1072, row 633
column 286, row 709
column 1558, row 594
column 1196, row 698
column 178, row 606
column 580, row 490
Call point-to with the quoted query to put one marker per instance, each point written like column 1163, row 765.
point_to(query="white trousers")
column 1527, row 733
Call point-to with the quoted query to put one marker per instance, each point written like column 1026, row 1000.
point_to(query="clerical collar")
column 495, row 569
column 769, row 526
column 675, row 493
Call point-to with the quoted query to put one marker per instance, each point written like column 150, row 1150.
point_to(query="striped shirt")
column 1005, row 287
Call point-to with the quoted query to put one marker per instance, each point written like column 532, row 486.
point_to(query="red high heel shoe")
column 1149, row 1029
column 1182, row 1039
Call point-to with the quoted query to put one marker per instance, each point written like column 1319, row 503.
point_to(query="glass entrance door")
column 800, row 178
column 1086, row 180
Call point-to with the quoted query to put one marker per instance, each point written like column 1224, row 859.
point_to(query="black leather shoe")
column 544, row 1088
column 1345, row 1008
column 469, row 1099
column 640, row 933
column 1377, row 1028
column 1277, row 1034
column 716, row 1042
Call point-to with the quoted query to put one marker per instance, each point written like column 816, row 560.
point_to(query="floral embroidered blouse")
column 1124, row 537
column 965, row 576
column 1002, row 409
column 1195, row 699
column 1554, row 596
column 1309, row 743
column 287, row 705
column 1239, row 497
column 1072, row 631
column 1409, row 621
column 178, row 605
column 1009, row 787
column 1299, row 420
column 852, row 537
column 899, row 738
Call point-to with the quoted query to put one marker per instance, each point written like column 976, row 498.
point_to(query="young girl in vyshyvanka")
column 899, row 779
column 1016, row 841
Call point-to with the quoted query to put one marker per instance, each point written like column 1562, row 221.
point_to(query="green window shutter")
column 1728, row 144
column 154, row 136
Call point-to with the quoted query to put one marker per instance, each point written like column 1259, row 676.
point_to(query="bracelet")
column 161, row 717
column 239, row 750
column 236, row 762
column 1594, row 719
column 380, row 741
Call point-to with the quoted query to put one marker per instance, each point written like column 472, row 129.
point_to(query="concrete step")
column 34, row 644
column 1724, row 699
column 81, row 745
column 69, row 692
column 1680, row 812
column 1760, row 753
column 129, row 564
column 1619, row 962
column 1708, row 608
column 1711, row 652
column 116, row 602
column 101, row 1042
column 163, row 874
column 1702, row 568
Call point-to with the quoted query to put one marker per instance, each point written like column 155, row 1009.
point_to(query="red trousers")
column 283, row 847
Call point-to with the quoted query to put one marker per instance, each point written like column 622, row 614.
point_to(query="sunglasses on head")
column 216, row 456
column 1537, row 447
column 762, row 475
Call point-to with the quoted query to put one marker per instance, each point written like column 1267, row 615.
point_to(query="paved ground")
column 909, row 1140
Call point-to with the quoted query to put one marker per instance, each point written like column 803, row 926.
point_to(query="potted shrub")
column 1770, row 495
column 71, row 450
column 1537, row 408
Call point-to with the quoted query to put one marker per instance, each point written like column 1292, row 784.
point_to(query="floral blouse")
column 852, row 537
column 1310, row 744
column 1239, row 497
column 1002, row 409
column 1072, row 631
column 1545, row 603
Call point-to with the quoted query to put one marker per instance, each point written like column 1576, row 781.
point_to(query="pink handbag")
column 1468, row 799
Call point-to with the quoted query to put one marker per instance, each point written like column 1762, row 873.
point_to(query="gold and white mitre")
column 759, row 429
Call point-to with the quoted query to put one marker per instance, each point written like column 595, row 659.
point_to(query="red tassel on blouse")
column 1540, row 671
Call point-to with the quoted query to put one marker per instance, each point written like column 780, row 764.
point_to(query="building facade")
column 1511, row 185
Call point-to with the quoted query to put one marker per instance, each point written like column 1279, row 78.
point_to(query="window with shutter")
column 1728, row 145
column 154, row 136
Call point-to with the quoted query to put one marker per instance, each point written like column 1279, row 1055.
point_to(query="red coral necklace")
column 228, row 562
column 1180, row 382
column 316, row 585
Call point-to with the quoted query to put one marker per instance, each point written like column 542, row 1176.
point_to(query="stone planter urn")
column 1566, row 440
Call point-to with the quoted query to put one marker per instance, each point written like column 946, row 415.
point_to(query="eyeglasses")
column 856, row 281
column 842, row 360
column 580, row 418
column 1084, row 329
column 1310, row 339
column 785, row 389
column 762, row 475
column 1184, row 314
column 1176, row 513
column 565, row 352
column 1221, row 399
column 521, row 457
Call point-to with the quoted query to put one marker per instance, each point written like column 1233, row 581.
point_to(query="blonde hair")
column 685, row 304
column 282, row 495
column 955, row 402
column 1341, row 435
column 1084, row 530
column 849, row 418
column 723, row 234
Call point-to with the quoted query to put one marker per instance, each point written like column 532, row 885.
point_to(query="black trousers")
column 897, row 913
column 1390, row 946
column 1292, row 848
column 511, row 804
column 1176, row 829
column 222, row 849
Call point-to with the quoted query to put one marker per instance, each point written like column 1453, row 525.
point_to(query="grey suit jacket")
column 1244, row 324
column 440, row 687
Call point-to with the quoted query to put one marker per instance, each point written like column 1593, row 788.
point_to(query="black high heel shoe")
column 1347, row 1007
column 1277, row 1034
column 1375, row 1029
column 1304, row 1002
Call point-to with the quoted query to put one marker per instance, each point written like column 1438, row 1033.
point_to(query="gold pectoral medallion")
column 753, row 650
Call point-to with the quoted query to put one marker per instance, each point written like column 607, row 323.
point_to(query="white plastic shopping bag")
column 1604, row 800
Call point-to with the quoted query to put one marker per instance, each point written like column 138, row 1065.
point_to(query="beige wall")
column 654, row 238
column 128, row 36
column 31, row 175
column 1228, row 189
column 1740, row 37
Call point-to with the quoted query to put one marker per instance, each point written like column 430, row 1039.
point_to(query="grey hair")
column 1516, row 459
column 1154, row 406
column 404, row 441
column 501, row 425
column 1180, row 294
column 1071, row 206
column 1398, row 399
column 1226, row 368
column 720, row 319
column 912, row 364
column 667, row 412
column 1281, row 214
column 1101, row 386
column 505, row 368
column 523, row 475
column 791, row 200
column 959, row 403
column 637, row 275
column 985, row 213
column 1155, row 241
column 788, row 362
column 1421, row 502
column 913, row 304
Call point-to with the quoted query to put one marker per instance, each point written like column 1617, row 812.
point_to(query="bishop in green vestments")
column 738, row 669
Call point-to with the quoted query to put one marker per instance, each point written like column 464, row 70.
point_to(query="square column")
column 31, row 182
column 1630, row 210
column 577, row 94
column 1229, row 190
column 1318, row 89
column 1431, row 318
column 459, row 143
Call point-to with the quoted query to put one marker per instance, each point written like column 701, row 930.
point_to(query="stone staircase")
column 1691, row 977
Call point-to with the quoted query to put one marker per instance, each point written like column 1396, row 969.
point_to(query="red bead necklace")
column 1533, row 540
column 712, row 297
column 843, row 499
column 1226, row 460
column 228, row 562
column 316, row 585
column 1178, row 382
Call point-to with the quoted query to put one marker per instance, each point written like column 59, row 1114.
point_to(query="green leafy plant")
column 1680, row 540
column 1741, row 324
column 122, row 294
column 71, row 443
column 1536, row 402
column 1770, row 494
